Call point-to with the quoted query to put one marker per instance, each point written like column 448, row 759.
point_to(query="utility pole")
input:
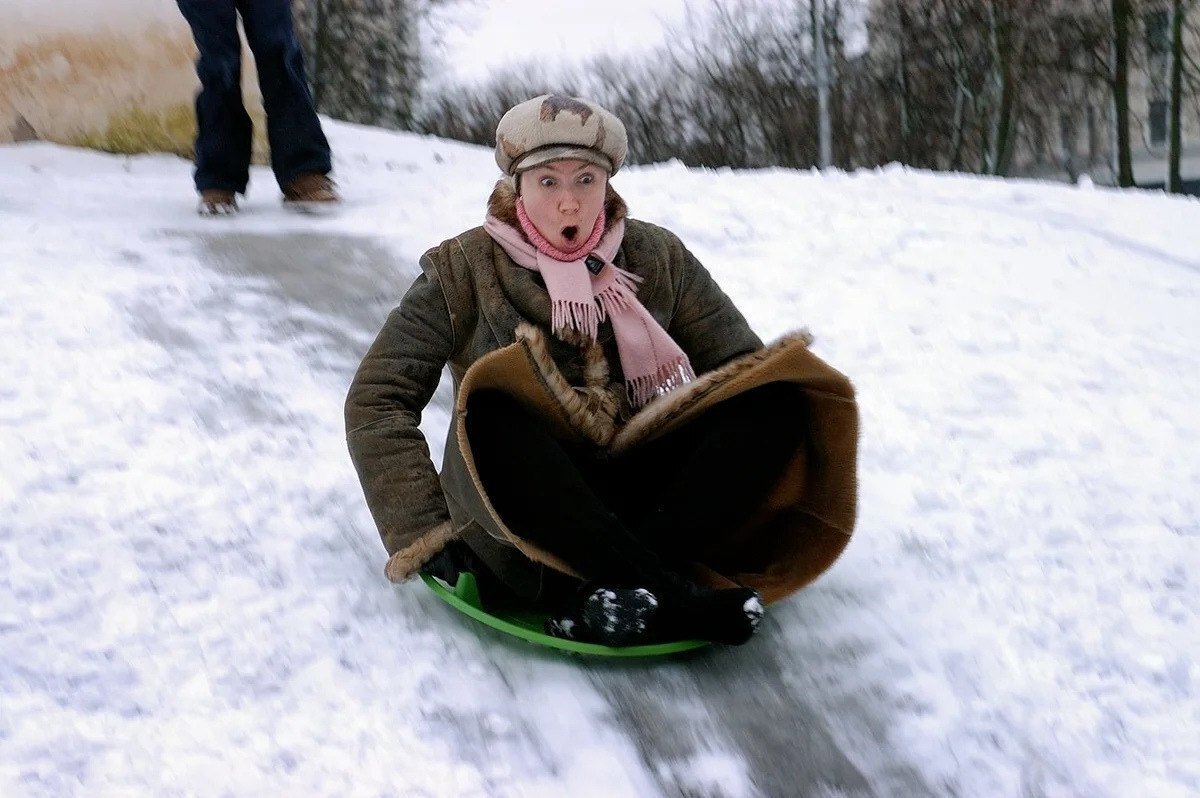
column 821, row 57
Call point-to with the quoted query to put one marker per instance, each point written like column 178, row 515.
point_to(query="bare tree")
column 364, row 57
column 1121, row 15
column 959, row 67
column 946, row 84
column 470, row 113
column 1191, row 60
column 1175, row 140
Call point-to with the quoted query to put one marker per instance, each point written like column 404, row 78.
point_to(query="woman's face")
column 563, row 200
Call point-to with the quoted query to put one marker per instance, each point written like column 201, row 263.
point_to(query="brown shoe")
column 310, row 187
column 217, row 202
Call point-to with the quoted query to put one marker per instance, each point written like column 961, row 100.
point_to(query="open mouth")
column 569, row 233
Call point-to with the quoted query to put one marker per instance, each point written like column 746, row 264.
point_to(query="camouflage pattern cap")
column 553, row 127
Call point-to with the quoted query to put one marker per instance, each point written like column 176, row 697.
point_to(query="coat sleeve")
column 391, row 388
column 706, row 323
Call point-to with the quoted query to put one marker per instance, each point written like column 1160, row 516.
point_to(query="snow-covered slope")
column 191, row 590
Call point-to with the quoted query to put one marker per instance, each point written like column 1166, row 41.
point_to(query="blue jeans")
column 224, row 130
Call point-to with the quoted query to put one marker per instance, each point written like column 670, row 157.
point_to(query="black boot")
column 690, row 612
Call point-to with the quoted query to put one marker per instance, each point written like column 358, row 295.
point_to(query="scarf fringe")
column 580, row 317
column 666, row 379
column 584, row 318
column 620, row 295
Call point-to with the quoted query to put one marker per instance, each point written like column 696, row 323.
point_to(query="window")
column 1158, row 32
column 1093, row 143
column 1066, row 135
column 1158, row 122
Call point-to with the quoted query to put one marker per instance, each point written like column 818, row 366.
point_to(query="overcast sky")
column 490, row 33
column 473, row 37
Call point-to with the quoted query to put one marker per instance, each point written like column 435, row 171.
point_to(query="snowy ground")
column 191, row 589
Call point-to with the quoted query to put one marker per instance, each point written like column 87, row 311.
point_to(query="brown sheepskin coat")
column 486, row 317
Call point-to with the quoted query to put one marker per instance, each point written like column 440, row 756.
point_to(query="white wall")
column 70, row 67
column 85, row 16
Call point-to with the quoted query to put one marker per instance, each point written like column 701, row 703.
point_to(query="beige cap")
column 553, row 127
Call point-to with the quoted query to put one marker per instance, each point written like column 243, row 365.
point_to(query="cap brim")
column 561, row 152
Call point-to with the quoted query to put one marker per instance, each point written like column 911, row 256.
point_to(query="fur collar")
column 503, row 204
column 594, row 410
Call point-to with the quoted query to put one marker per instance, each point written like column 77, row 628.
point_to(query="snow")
column 191, row 589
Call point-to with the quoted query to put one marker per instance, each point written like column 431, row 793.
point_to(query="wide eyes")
column 585, row 179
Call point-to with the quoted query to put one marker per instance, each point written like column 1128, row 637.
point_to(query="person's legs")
column 545, row 493
column 542, row 495
column 223, row 128
column 298, row 145
column 718, row 469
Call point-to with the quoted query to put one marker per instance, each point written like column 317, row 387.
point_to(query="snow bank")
column 191, row 596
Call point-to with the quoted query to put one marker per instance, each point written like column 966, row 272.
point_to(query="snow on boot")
column 619, row 616
column 217, row 202
column 610, row 616
column 565, row 627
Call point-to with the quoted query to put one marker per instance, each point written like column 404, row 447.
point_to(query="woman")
column 588, row 469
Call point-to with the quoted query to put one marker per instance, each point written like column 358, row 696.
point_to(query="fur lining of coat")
column 592, row 411
column 406, row 563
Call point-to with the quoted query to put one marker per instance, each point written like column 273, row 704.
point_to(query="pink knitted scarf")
column 582, row 297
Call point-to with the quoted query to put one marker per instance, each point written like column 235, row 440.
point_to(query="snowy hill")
column 191, row 588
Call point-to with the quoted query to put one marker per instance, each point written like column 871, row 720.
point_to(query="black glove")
column 447, row 564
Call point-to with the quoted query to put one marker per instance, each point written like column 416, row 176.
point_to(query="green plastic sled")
column 528, row 625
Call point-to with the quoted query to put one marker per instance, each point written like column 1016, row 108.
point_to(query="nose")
column 568, row 203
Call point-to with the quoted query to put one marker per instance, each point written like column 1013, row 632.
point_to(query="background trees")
column 987, row 86
column 363, row 58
